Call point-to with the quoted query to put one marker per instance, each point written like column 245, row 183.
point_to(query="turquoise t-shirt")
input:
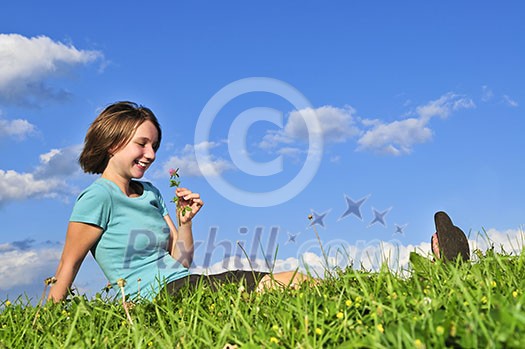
column 133, row 244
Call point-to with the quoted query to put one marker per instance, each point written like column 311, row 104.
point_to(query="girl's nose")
column 150, row 153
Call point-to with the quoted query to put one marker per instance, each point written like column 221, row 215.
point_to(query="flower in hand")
column 188, row 203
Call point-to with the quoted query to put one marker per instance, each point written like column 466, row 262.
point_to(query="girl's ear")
column 112, row 150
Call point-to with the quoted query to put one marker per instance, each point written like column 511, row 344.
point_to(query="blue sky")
column 419, row 107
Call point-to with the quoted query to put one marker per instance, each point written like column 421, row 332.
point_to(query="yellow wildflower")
column 50, row 281
column 340, row 315
column 418, row 344
column 394, row 296
column 274, row 340
column 7, row 303
column 318, row 331
column 453, row 330
column 440, row 330
column 275, row 328
column 484, row 300
column 380, row 328
column 494, row 284
column 514, row 294
column 348, row 303
column 121, row 282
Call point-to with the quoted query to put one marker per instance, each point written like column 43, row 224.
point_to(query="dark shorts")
column 249, row 279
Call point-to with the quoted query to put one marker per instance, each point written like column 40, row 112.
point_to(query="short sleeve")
column 93, row 206
column 163, row 208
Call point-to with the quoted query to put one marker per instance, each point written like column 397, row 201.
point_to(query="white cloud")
column 509, row 101
column 45, row 158
column 510, row 240
column 335, row 159
column 340, row 124
column 444, row 106
column 23, row 263
column 19, row 186
column 368, row 255
column 203, row 146
column 486, row 93
column 187, row 162
column 400, row 136
column 290, row 151
column 397, row 137
column 26, row 63
column 47, row 181
column 58, row 163
column 27, row 267
column 17, row 128
column 335, row 125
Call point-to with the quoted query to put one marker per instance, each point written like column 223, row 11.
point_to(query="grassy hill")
column 473, row 305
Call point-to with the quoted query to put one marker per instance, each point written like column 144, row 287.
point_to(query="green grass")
column 471, row 305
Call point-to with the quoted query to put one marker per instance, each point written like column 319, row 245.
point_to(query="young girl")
column 125, row 223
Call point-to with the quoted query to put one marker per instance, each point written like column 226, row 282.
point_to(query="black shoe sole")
column 452, row 241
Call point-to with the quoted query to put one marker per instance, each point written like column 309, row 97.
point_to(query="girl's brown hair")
column 113, row 129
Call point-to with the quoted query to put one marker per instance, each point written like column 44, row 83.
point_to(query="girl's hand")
column 188, row 199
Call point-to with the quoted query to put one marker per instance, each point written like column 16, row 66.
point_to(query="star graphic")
column 354, row 207
column 379, row 217
column 400, row 229
column 291, row 238
column 317, row 218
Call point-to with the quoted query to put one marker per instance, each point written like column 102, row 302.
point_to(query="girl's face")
column 135, row 158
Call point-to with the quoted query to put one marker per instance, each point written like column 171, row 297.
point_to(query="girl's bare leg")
column 284, row 279
column 435, row 245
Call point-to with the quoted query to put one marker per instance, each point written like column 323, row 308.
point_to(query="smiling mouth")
column 141, row 164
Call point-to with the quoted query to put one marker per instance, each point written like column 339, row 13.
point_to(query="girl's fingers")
column 189, row 199
column 186, row 194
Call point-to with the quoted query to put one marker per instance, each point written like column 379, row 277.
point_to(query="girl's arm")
column 80, row 238
column 181, row 243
